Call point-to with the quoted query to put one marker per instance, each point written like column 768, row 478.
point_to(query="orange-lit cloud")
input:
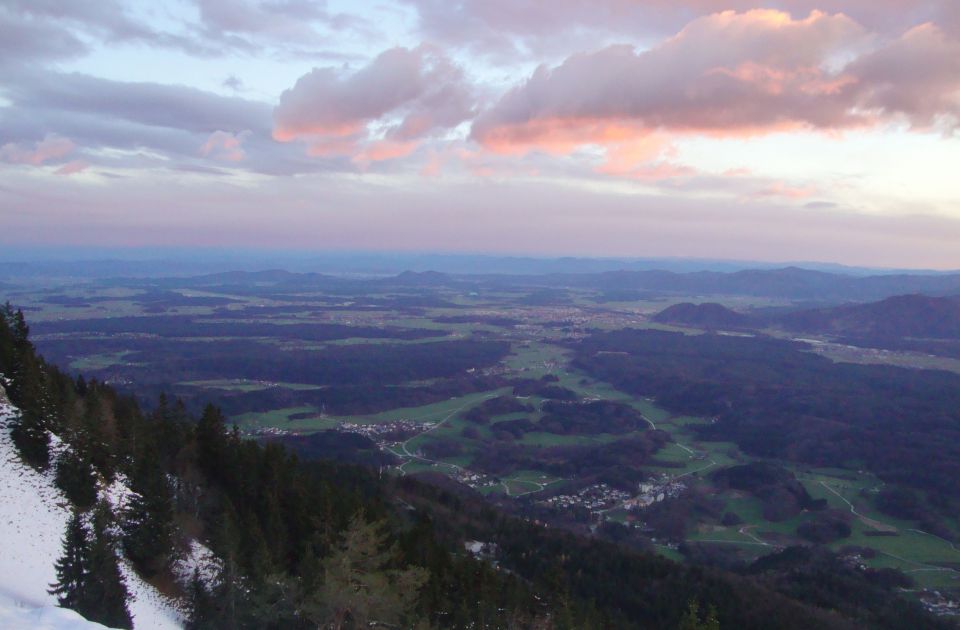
column 786, row 191
column 731, row 74
column 379, row 112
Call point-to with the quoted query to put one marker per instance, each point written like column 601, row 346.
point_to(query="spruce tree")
column 105, row 596
column 29, row 429
column 73, row 565
column 211, row 441
column 77, row 479
column 359, row 588
column 691, row 618
column 148, row 529
column 203, row 608
column 91, row 438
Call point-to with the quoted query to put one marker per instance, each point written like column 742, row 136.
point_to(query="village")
column 601, row 498
column 385, row 432
column 664, row 487
column 596, row 498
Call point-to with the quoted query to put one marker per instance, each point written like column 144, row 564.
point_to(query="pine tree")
column 73, row 565
column 229, row 588
column 203, row 609
column 91, row 437
column 211, row 441
column 691, row 618
column 105, row 595
column 77, row 479
column 29, row 430
column 359, row 588
column 148, row 529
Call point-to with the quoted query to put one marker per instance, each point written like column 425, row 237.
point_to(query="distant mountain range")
column 17, row 265
column 791, row 283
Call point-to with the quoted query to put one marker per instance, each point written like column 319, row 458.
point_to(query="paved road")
column 446, row 418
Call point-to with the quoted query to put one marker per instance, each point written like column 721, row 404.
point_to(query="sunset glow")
column 815, row 130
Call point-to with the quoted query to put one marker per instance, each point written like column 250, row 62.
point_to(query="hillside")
column 33, row 517
column 916, row 316
column 710, row 316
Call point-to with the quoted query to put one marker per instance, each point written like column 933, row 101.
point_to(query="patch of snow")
column 15, row 616
column 117, row 494
column 201, row 559
column 150, row 610
column 33, row 518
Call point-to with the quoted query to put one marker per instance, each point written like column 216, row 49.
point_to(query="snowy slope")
column 14, row 616
column 33, row 517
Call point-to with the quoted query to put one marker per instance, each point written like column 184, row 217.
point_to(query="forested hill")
column 707, row 315
column 917, row 316
column 287, row 543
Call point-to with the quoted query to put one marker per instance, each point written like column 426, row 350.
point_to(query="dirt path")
column 866, row 520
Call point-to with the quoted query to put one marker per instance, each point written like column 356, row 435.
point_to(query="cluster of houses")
column 654, row 491
column 386, row 431
column 473, row 479
column 594, row 498
column 270, row 432
column 939, row 604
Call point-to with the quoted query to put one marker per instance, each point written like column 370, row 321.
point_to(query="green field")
column 244, row 385
column 280, row 419
column 101, row 361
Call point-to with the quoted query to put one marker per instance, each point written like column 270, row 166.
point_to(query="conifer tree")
column 105, row 596
column 691, row 618
column 73, row 565
column 211, row 440
column 229, row 582
column 360, row 588
column 77, row 479
column 203, row 609
column 29, row 392
column 91, row 436
column 148, row 529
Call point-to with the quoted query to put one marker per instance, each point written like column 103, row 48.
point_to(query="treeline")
column 181, row 326
column 165, row 362
column 353, row 400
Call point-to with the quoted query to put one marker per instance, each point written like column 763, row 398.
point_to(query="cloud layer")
column 734, row 74
column 582, row 121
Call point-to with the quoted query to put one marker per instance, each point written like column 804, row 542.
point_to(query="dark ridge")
column 708, row 315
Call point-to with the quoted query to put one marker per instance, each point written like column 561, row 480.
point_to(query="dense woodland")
column 307, row 544
column 776, row 400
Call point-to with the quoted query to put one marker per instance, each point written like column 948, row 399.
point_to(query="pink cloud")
column 380, row 111
column 225, row 146
column 52, row 147
column 434, row 165
column 507, row 28
column 73, row 167
column 786, row 191
column 731, row 74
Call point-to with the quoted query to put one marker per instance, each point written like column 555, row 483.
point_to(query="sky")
column 798, row 130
